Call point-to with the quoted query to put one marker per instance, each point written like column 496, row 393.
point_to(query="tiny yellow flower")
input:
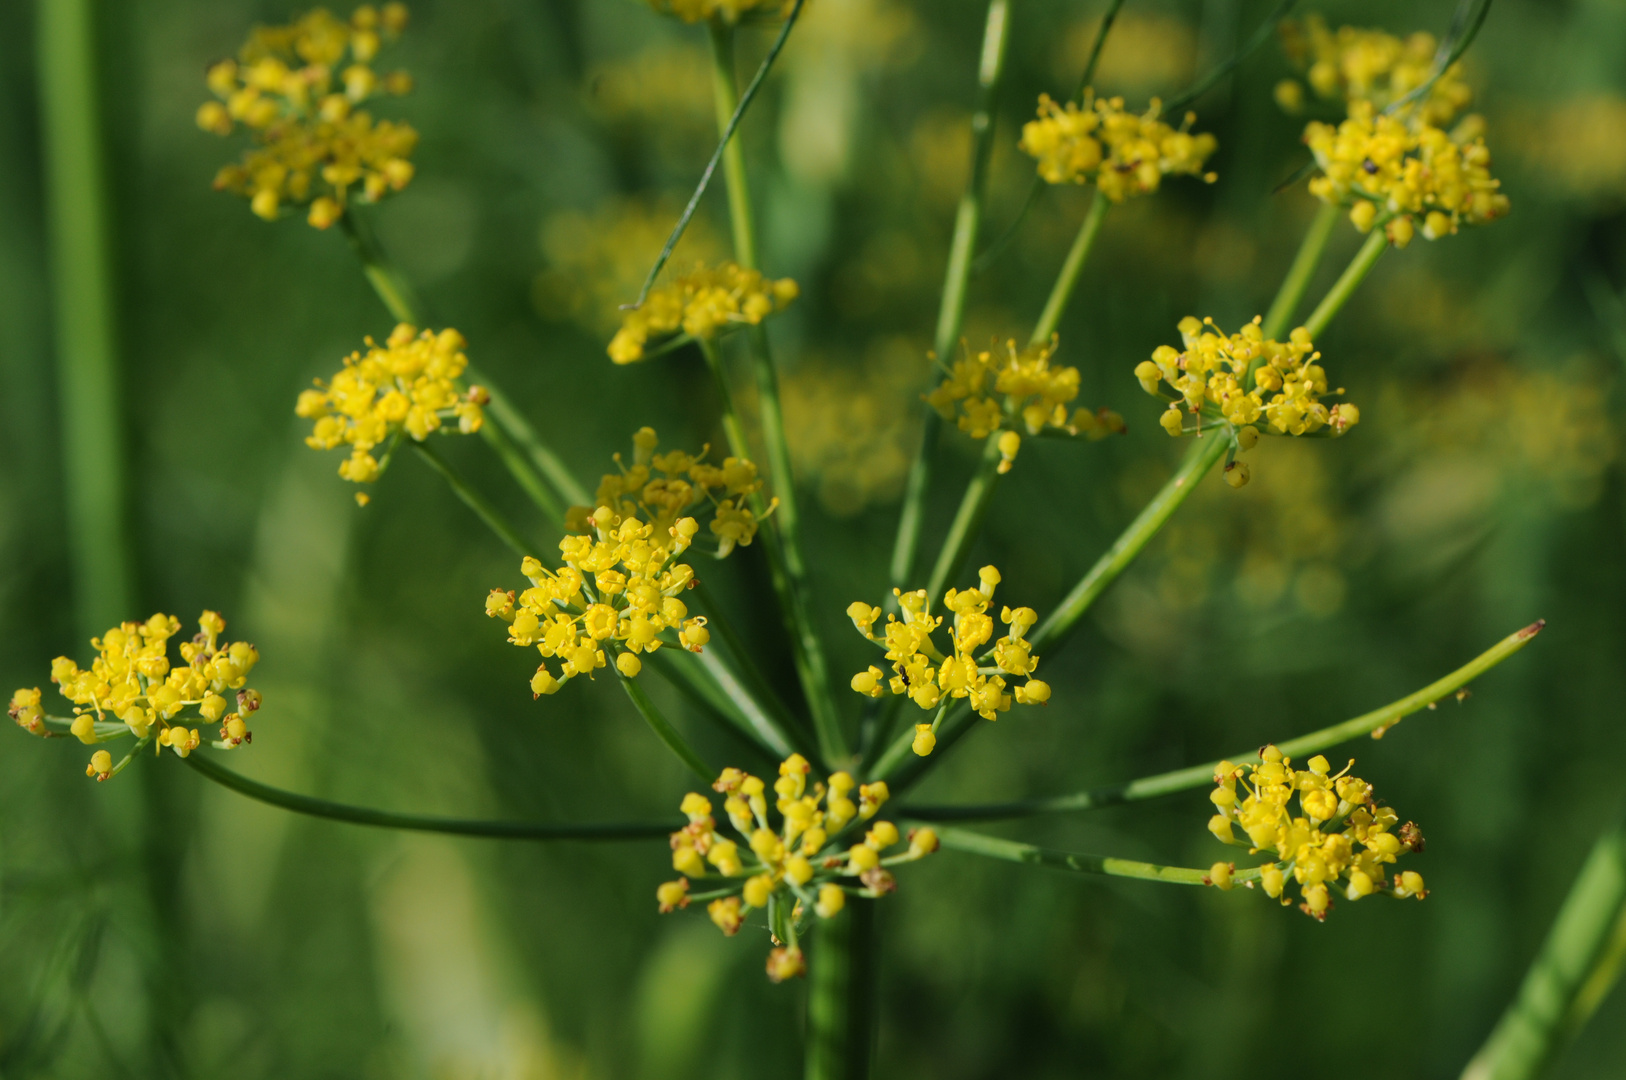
column 927, row 674
column 1341, row 838
column 1240, row 383
column 133, row 687
column 292, row 89
column 796, row 862
column 1357, row 64
column 702, row 304
column 1122, row 154
column 409, row 385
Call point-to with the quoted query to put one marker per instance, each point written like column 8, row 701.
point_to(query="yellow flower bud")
column 1219, row 876
column 925, row 741
column 832, row 898
column 101, row 765
column 628, row 664
column 757, row 890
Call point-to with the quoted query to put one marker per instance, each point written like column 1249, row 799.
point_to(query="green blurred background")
column 157, row 926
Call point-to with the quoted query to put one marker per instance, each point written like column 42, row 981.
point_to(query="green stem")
column 951, row 308
column 1577, row 964
column 664, row 731
column 1289, row 296
column 768, row 713
column 806, row 650
column 713, row 690
column 841, row 995
column 82, row 300
column 474, row 500
column 1198, row 776
column 726, row 98
column 1067, row 280
column 1202, row 455
column 967, row 520
column 508, row 426
column 783, row 529
column 364, row 815
column 979, row 493
column 993, row 847
column 1366, row 258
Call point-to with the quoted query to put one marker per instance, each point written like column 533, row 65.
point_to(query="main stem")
column 784, row 527
column 83, row 306
column 1578, row 964
column 951, row 309
column 841, row 995
column 792, row 605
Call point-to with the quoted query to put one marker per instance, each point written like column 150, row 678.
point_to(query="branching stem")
column 204, row 764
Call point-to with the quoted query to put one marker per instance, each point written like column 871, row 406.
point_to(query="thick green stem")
column 841, row 995
column 1578, row 964
column 806, row 650
column 951, row 309
column 664, row 730
column 82, row 301
column 475, row 501
column 1342, row 289
column 1067, row 280
column 967, row 520
column 783, row 528
column 1199, row 776
column 1291, row 294
column 507, row 428
column 365, row 815
column 993, row 847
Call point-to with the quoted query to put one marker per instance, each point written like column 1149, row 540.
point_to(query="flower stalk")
column 1373, row 723
column 1291, row 294
column 1342, row 289
column 783, row 537
column 951, row 308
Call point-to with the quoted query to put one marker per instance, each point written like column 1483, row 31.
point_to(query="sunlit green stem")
column 967, row 519
column 759, row 701
column 841, row 994
column 951, row 308
column 663, row 728
column 83, row 308
column 805, row 648
column 713, row 689
column 1578, row 964
column 1342, row 289
column 1067, row 280
column 1200, row 776
column 1291, row 294
column 507, row 429
column 475, row 501
column 783, row 529
column 993, row 847
column 204, row 764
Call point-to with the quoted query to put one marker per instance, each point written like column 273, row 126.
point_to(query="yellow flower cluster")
column 660, row 488
column 1121, row 153
column 701, row 304
column 618, row 584
column 291, row 87
column 408, row 384
column 1029, row 390
column 1357, row 64
column 1395, row 171
column 1242, row 379
column 1341, row 837
column 132, row 688
column 729, row 11
column 931, row 677
column 797, row 869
